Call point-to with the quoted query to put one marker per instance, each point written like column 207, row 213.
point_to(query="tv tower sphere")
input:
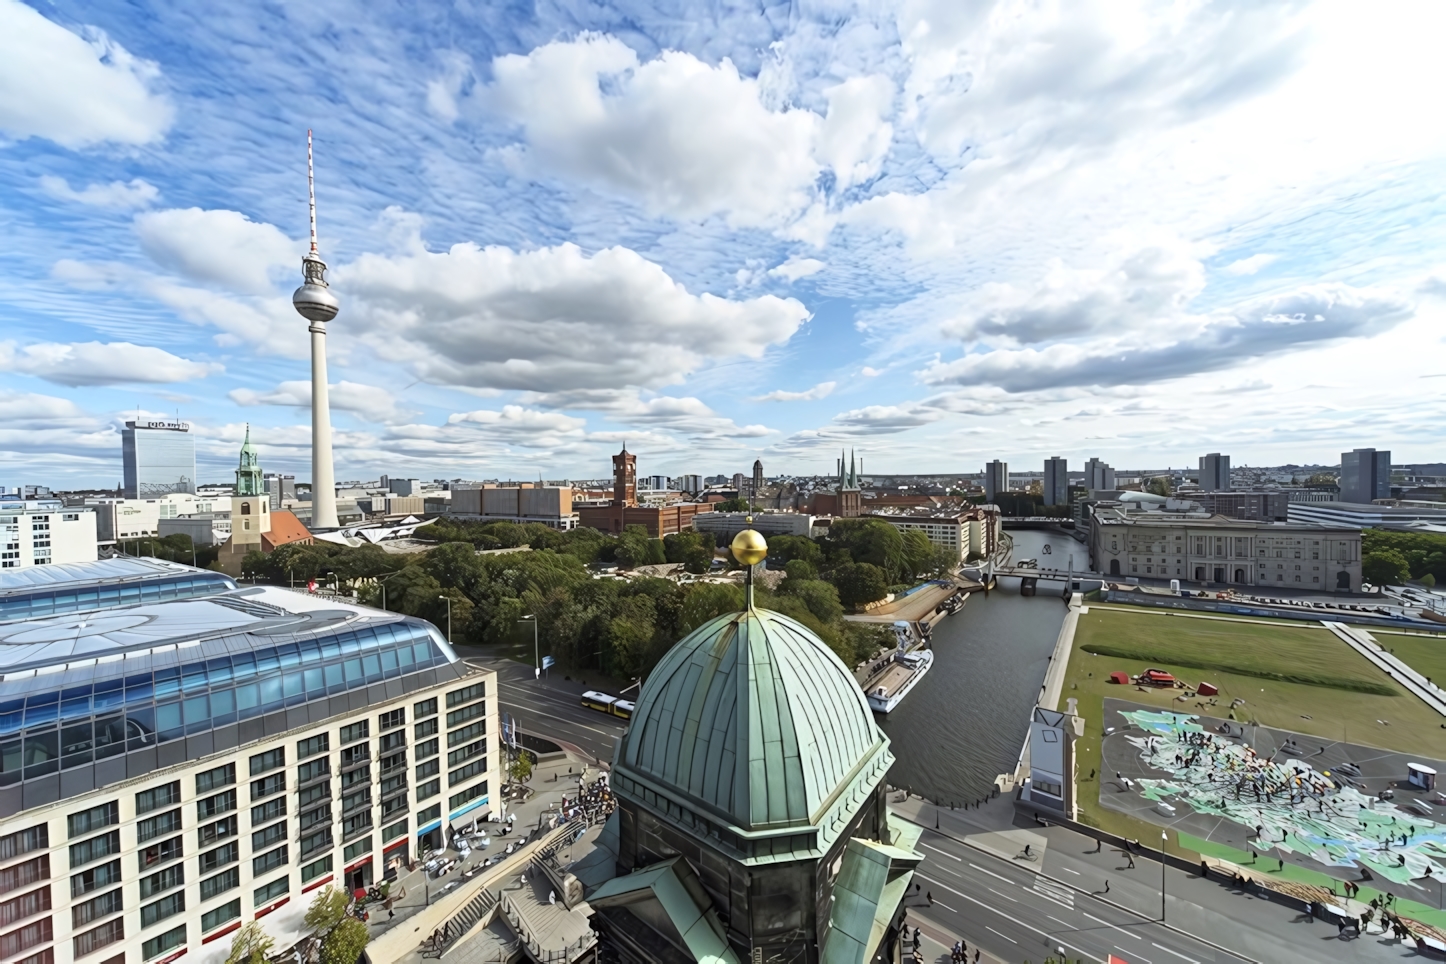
column 314, row 300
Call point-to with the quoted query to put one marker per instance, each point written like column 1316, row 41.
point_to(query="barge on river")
column 887, row 688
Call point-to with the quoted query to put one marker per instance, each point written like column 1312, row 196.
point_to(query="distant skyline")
column 941, row 233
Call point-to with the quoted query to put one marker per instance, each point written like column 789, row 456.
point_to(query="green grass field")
column 1255, row 649
column 1425, row 654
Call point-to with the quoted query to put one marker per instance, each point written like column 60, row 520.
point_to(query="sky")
column 934, row 232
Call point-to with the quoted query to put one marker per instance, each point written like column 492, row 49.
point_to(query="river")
column 964, row 723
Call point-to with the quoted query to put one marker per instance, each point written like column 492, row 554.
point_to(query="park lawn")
column 1425, row 654
column 1289, row 648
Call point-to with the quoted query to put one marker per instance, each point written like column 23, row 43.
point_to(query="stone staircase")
column 477, row 910
column 549, row 933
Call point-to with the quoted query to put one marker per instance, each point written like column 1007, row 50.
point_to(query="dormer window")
column 246, row 508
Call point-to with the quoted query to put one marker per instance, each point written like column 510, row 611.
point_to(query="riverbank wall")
column 1050, row 690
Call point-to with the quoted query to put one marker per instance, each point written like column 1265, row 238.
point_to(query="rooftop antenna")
column 311, row 190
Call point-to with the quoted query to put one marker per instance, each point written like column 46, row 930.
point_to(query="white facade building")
column 120, row 519
column 156, row 822
column 43, row 532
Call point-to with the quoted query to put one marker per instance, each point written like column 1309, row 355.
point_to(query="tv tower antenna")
column 311, row 190
column 315, row 302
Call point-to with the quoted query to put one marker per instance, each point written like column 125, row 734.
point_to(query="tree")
column 821, row 598
column 1322, row 478
column 873, row 541
column 731, row 505
column 784, row 549
column 520, row 770
column 918, row 551
column 1387, row 567
column 328, row 908
column 1159, row 485
column 252, row 945
column 345, row 943
column 859, row 583
column 633, row 549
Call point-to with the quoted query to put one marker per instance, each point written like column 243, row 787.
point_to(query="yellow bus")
column 601, row 702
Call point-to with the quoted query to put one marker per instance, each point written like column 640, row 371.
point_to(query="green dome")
column 754, row 725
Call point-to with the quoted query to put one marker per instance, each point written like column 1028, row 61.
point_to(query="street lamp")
column 449, row 616
column 1163, row 839
column 383, row 583
column 536, row 659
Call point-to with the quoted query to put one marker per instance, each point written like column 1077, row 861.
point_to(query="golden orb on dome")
column 749, row 547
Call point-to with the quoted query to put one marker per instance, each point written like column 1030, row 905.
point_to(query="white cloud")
column 796, row 267
column 684, row 138
column 552, row 319
column 117, row 195
column 1251, row 265
column 370, row 402
column 218, row 247
column 71, row 90
column 94, row 363
column 821, row 390
column 868, row 372
column 856, row 133
column 1187, row 344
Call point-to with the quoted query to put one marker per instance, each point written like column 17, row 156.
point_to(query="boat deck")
column 892, row 678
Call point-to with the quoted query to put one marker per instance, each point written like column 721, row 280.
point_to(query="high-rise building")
column 1056, row 481
column 738, row 479
column 157, row 458
column 996, row 480
column 153, row 825
column 1214, row 472
column 1098, row 475
column 757, row 477
column 280, row 489
column 1365, row 476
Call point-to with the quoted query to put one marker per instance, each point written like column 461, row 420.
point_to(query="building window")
column 268, row 811
column 159, row 853
column 321, row 840
column 429, row 789
column 458, row 717
column 27, row 905
column 269, row 861
column 357, row 849
column 220, row 857
column 424, row 750
column 153, row 827
column 157, row 946
column 218, row 804
column 94, row 848
column 356, row 824
column 267, row 786
column 224, row 914
column 471, row 793
column 214, row 779
column 424, row 708
column 466, row 695
column 219, row 830
column 353, row 732
column 317, row 791
column 469, row 732
column 246, row 510
column 262, row 839
column 430, row 769
column 270, row 760
column 424, row 729
column 312, row 770
column 312, row 746
column 398, row 829
column 391, row 741
column 103, row 936
column 172, row 876
column 424, row 817
column 220, row 883
column 95, row 878
column 88, row 821
column 157, row 797
column 271, row 891
column 391, row 720
column 455, row 777
column 24, row 841
column 316, row 868
column 168, row 906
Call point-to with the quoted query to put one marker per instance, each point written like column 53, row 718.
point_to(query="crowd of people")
column 593, row 803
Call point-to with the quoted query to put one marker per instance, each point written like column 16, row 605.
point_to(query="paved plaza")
column 1270, row 790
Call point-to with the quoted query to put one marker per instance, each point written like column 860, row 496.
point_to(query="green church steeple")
column 248, row 473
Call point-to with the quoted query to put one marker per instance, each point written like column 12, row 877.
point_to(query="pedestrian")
column 552, row 897
column 1281, row 861
column 1107, row 885
column 930, row 895
column 1131, row 858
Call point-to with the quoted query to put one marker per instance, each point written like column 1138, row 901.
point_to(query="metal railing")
column 463, row 921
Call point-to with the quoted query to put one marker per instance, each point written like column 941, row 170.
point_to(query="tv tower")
column 315, row 302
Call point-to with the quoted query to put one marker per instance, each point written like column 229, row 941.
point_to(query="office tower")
column 1365, row 475
column 280, row 489
column 996, row 480
column 1056, row 481
column 1098, row 475
column 157, row 458
column 757, row 477
column 1214, row 472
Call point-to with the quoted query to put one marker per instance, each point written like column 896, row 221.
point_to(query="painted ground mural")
column 1296, row 808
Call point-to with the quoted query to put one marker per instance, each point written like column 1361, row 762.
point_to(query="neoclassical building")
column 752, row 823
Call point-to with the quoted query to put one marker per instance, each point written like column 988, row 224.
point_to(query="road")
column 1015, row 914
column 550, row 708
